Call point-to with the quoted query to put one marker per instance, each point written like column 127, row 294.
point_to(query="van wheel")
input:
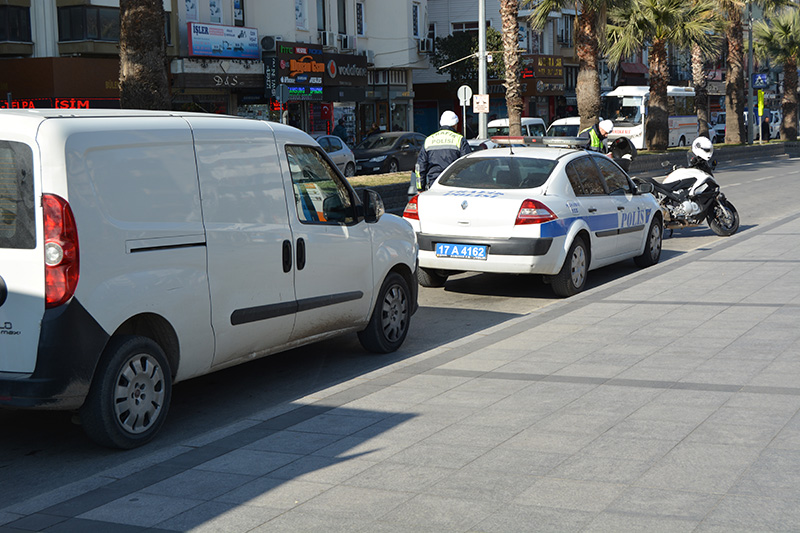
column 388, row 326
column 130, row 394
column 682, row 141
column 571, row 279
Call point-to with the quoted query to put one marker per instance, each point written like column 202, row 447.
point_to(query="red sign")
column 62, row 103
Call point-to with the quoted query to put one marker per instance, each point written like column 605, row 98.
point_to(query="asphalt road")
column 42, row 451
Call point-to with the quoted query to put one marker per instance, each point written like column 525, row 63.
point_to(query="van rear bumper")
column 70, row 345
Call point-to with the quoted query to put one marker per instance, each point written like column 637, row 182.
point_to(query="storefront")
column 542, row 87
column 50, row 82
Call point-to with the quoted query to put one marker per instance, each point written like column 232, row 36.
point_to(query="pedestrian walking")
column 765, row 128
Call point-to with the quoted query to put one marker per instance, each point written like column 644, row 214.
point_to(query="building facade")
column 308, row 62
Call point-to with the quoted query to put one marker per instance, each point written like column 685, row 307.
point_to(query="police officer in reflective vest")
column 597, row 134
column 440, row 149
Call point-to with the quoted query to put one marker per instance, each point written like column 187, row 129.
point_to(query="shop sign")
column 214, row 40
column 301, row 67
column 218, row 81
column 270, row 76
column 544, row 66
column 345, row 70
column 61, row 103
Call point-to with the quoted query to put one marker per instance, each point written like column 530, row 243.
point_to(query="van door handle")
column 287, row 256
column 301, row 254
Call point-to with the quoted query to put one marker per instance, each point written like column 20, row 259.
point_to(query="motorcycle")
column 690, row 196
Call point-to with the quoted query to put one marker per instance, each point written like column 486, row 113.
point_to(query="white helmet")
column 606, row 125
column 448, row 119
column 702, row 148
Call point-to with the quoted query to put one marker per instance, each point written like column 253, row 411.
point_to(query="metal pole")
column 483, row 132
column 749, row 83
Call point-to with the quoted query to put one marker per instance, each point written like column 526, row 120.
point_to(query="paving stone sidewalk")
column 664, row 401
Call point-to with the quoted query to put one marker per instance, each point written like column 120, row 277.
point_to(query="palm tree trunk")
column 700, row 82
column 509, row 9
column 734, row 80
column 789, row 101
column 587, row 85
column 657, row 125
column 142, row 55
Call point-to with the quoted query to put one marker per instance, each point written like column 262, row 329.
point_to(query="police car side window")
column 616, row 180
column 319, row 194
column 585, row 178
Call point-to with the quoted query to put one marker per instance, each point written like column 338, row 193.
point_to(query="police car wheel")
column 431, row 278
column 652, row 248
column 571, row 279
column 130, row 394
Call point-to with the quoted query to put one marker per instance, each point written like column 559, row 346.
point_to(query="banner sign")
column 301, row 67
column 213, row 40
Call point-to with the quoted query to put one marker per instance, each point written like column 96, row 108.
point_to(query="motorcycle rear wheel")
column 724, row 220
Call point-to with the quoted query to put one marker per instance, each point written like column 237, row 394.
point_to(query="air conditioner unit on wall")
column 328, row 38
column 348, row 42
column 269, row 42
column 369, row 54
column 426, row 45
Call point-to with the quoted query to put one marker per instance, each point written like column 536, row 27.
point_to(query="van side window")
column 17, row 213
column 319, row 194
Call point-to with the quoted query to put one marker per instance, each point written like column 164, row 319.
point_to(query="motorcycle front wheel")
column 723, row 218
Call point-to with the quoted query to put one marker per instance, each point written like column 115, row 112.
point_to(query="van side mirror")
column 373, row 205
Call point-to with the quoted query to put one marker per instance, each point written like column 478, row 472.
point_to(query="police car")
column 558, row 210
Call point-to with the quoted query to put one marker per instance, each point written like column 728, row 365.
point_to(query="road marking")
column 765, row 178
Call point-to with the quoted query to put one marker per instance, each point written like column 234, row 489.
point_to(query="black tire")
column 431, row 278
column 572, row 277
column 130, row 394
column 349, row 170
column 391, row 317
column 724, row 221
column 652, row 248
column 393, row 166
column 682, row 141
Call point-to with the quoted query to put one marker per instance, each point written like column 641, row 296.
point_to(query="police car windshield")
column 498, row 173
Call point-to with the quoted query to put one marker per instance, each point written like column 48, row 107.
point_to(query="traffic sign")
column 282, row 94
column 464, row 94
column 760, row 81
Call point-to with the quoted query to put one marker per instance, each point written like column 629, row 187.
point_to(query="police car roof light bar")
column 550, row 142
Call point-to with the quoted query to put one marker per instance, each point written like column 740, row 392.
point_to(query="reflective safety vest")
column 596, row 143
column 440, row 149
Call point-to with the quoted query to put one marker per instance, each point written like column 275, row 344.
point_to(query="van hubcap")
column 394, row 314
column 139, row 393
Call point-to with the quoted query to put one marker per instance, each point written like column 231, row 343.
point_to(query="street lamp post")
column 483, row 132
column 751, row 119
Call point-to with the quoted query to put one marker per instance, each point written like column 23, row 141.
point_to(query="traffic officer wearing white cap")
column 440, row 149
column 597, row 134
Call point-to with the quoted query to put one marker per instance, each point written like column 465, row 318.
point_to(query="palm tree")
column 780, row 41
column 658, row 24
column 509, row 9
column 142, row 55
column 699, row 78
column 589, row 33
column 734, row 75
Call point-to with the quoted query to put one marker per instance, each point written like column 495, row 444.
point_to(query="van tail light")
column 61, row 254
column 534, row 212
column 411, row 210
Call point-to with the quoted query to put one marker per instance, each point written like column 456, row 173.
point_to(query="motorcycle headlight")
column 377, row 159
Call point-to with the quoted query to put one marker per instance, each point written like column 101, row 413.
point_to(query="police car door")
column 596, row 207
column 632, row 215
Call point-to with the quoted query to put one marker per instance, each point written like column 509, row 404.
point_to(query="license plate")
column 461, row 251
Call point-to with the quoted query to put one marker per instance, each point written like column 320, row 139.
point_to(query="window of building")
column 566, row 26
column 300, row 14
column 321, row 15
column 15, row 24
column 361, row 26
column 432, row 31
column 470, row 27
column 415, row 22
column 88, row 23
column 341, row 14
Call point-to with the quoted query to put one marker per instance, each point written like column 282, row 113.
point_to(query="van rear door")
column 21, row 258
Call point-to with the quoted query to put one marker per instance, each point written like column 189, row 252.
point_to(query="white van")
column 139, row 249
column 531, row 127
column 564, row 127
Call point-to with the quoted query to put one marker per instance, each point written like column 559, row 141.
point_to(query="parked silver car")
column 339, row 153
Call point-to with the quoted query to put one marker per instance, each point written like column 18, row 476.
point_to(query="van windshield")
column 17, row 214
